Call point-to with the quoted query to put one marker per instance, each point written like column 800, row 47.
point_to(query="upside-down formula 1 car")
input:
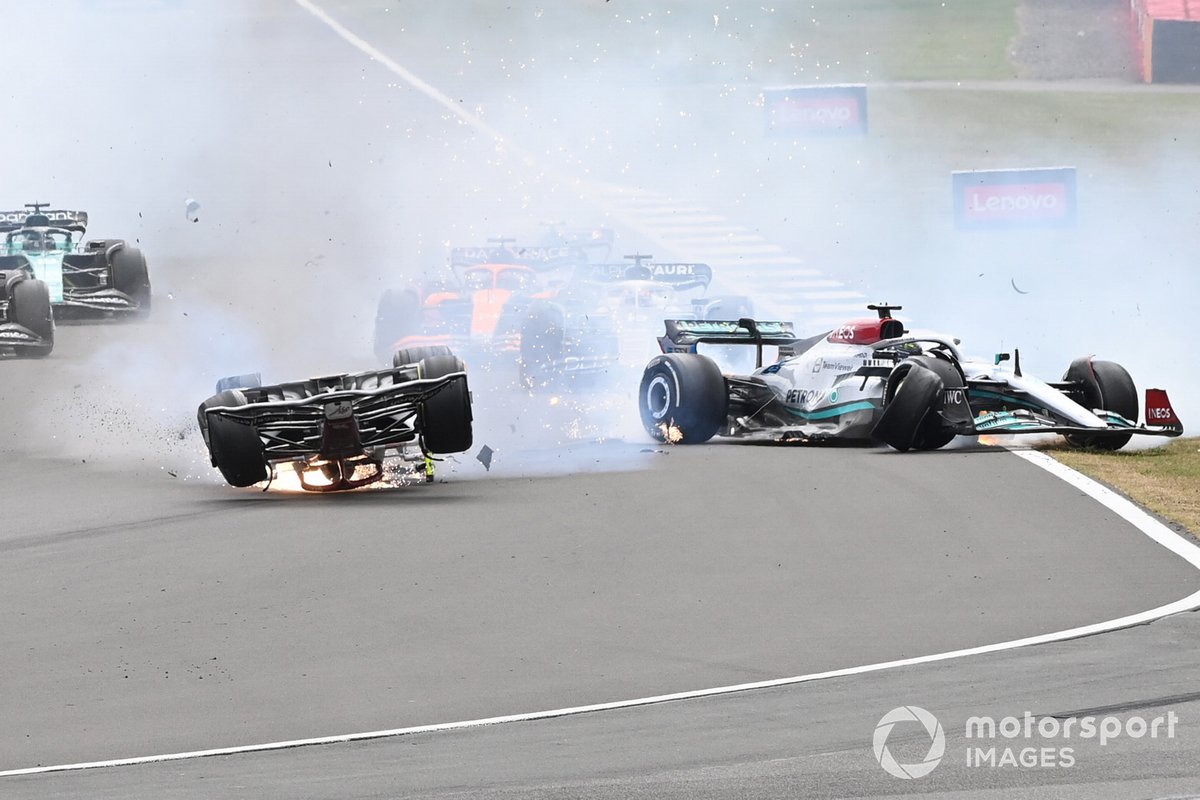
column 98, row 277
column 870, row 380
column 501, row 310
column 337, row 432
column 26, row 318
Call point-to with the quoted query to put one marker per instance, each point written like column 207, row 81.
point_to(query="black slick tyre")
column 235, row 448
column 413, row 355
column 30, row 308
column 446, row 416
column 131, row 276
column 933, row 435
column 683, row 398
column 1106, row 386
column 909, row 419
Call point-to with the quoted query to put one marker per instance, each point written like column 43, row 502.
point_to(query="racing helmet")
column 638, row 272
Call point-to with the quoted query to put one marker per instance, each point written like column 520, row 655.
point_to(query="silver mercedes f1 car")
column 337, row 432
column 871, row 380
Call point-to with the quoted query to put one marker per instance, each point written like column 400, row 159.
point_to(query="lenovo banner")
column 1005, row 198
column 816, row 110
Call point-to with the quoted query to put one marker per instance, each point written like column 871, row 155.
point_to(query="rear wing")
column 70, row 220
column 684, row 334
column 681, row 276
column 540, row 257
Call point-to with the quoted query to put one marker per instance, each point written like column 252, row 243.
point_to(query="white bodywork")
column 820, row 387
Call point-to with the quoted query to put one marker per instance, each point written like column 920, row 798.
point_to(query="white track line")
column 652, row 209
column 1123, row 508
column 1111, row 500
column 1126, row 510
column 408, row 77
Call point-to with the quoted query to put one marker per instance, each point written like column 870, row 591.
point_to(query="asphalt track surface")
column 152, row 613
column 151, row 610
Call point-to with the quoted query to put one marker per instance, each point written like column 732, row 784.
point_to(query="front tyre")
column 934, row 434
column 446, row 416
column 234, row 447
column 910, row 420
column 683, row 398
column 131, row 277
column 30, row 308
column 413, row 355
column 1106, row 386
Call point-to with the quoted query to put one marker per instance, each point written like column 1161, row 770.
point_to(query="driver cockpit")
column 514, row 280
column 478, row 278
column 33, row 241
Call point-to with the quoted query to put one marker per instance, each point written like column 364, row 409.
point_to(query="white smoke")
column 279, row 180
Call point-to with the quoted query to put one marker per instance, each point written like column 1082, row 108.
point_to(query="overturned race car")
column 870, row 380
column 340, row 432
column 100, row 277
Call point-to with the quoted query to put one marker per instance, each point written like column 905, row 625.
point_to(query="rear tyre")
column 1107, row 386
column 29, row 307
column 131, row 276
column 683, row 398
column 235, row 449
column 909, row 420
column 251, row 380
column 446, row 416
column 413, row 355
column 397, row 315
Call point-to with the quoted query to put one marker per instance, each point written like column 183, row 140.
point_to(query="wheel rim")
column 658, row 397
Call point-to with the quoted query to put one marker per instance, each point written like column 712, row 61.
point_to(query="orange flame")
column 671, row 433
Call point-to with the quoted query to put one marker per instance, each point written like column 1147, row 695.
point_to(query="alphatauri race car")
column 96, row 277
column 501, row 310
column 640, row 293
column 337, row 432
column 26, row 319
column 871, row 380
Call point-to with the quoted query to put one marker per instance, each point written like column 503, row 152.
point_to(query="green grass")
column 861, row 207
column 908, row 39
column 1165, row 480
column 1136, row 177
column 815, row 41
